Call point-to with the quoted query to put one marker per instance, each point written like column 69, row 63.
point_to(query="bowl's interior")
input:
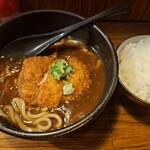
column 50, row 20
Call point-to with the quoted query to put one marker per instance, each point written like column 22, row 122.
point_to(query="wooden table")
column 122, row 125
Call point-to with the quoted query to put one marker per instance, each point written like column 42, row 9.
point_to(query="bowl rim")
column 122, row 86
column 93, row 114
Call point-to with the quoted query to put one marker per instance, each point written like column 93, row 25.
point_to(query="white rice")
column 134, row 68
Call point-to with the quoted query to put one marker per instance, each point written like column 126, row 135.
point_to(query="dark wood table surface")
column 122, row 125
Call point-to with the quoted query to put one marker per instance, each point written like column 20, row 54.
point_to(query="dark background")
column 140, row 8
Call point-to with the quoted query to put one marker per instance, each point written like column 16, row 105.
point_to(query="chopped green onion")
column 60, row 69
column 68, row 88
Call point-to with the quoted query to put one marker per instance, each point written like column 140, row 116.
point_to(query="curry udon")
column 44, row 93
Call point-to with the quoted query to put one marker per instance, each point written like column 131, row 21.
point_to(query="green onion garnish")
column 68, row 88
column 60, row 69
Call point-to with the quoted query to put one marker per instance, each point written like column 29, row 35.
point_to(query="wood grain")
column 123, row 125
column 140, row 9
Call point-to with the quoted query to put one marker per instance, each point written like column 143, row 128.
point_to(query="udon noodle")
column 42, row 121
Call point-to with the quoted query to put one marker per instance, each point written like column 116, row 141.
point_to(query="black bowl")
column 36, row 22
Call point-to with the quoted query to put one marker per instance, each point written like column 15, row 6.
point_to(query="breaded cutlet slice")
column 80, row 79
column 36, row 85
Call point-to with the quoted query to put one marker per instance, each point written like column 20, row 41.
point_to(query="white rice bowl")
column 134, row 66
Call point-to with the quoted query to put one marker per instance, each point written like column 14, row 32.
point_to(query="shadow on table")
column 139, row 112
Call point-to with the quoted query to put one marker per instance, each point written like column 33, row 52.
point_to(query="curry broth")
column 70, row 111
column 9, row 70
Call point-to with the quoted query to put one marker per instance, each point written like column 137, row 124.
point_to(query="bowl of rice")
column 134, row 68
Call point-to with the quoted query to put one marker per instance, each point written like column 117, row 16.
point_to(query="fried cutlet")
column 37, row 86
column 33, row 88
